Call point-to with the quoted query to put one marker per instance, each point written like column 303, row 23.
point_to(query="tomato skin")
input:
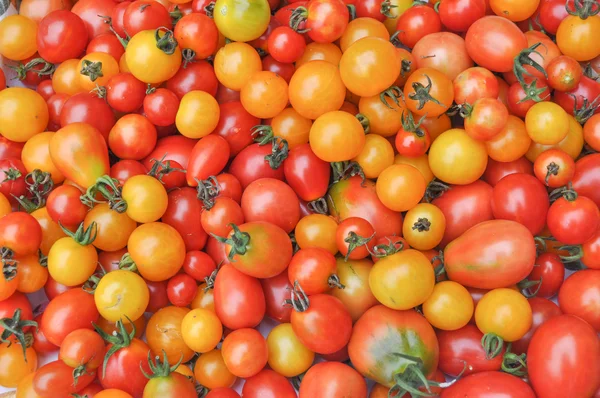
column 242, row 306
column 165, row 332
column 417, row 22
column 90, row 109
column 133, row 137
column 21, row 233
column 124, row 368
column 552, row 13
column 285, row 45
column 461, row 346
column 459, row 15
column 222, row 392
column 208, row 157
column 381, row 324
column 143, row 51
column 197, row 76
column 270, row 200
column 591, row 251
column 542, row 310
column 349, row 198
column 306, row 173
column 161, row 106
column 336, row 378
column 250, row 165
column 55, row 378
column 235, row 124
column 198, row 265
column 591, row 132
column 82, row 347
column 125, row 93
column 245, row 352
column 495, row 170
column 312, row 268
column 573, row 221
column 267, row 384
column 13, row 180
column 62, row 35
column 494, row 29
column 441, row 89
column 183, row 213
column 575, row 37
column 577, row 296
column 88, row 11
column 522, row 198
column 464, row 206
column 10, row 149
column 587, row 177
column 276, row 290
column 143, row 15
column 325, row 327
column 498, row 242
column 242, row 21
column 551, row 271
column 123, row 170
column 569, row 100
column 23, row 114
column 574, row 339
column 492, row 383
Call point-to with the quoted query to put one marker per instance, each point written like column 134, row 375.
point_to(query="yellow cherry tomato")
column 265, row 94
column 292, row 127
column 65, row 79
column 449, row 307
column 376, row 155
column 316, row 88
column 403, row 280
column 328, row 52
column 14, row 366
column 5, row 206
column 400, row 187
column 511, row 143
column 356, row 294
column 211, row 372
column 96, row 69
column 36, row 155
column 120, row 295
column 146, row 198
column 362, row 27
column 198, row 114
column 504, row 312
column 23, row 113
column 72, row 261
column 31, row 275
column 317, row 230
column 114, row 228
column 204, row 298
column 337, row 136
column 152, row 56
column 235, row 63
column 424, row 226
column 51, row 231
column 547, row 123
column 421, row 163
column 456, row 158
column 287, row 355
column 18, row 37
column 572, row 144
column 578, row 38
column 201, row 330
column 384, row 118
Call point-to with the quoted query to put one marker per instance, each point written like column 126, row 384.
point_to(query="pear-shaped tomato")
column 80, row 153
column 491, row 255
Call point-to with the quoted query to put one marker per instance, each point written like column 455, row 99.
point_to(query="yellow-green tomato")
column 242, row 20
column 424, row 226
column 504, row 312
column 120, row 295
column 201, row 330
column 449, row 307
column 287, row 355
column 403, row 280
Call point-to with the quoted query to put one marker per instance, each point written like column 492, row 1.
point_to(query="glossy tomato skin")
column 522, row 198
column 495, row 170
column 234, row 125
column 183, row 213
column 10, row 305
column 489, row 384
column 306, row 173
column 161, row 107
column 464, row 206
column 71, row 310
column 273, row 201
column 577, row 296
column 459, row 15
column 124, row 368
column 56, row 379
column 208, row 157
column 587, row 177
column 570, row 100
column 349, row 198
column 88, row 11
column 336, row 378
column 542, row 309
column 573, row 221
column 497, row 242
column 250, row 165
column 550, row 271
column 88, row 108
column 125, row 93
column 20, row 232
column 198, row 75
column 61, row 35
column 268, row 384
column 463, row 346
column 176, row 149
column 564, row 338
column 381, row 324
column 276, row 290
column 239, row 299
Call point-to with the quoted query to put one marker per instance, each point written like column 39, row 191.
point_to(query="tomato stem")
column 9, row 264
column 238, row 241
column 393, row 93
column 299, row 300
column 583, row 8
column 334, row 281
column 586, row 110
column 107, row 188
column 435, row 189
column 210, row 9
column 364, row 122
column 319, row 206
column 522, row 59
column 91, row 69
column 386, row 8
column 279, row 153
column 262, row 134
column 83, row 236
column 347, row 169
column 188, row 56
column 159, row 368
column 39, row 184
column 161, row 168
column 14, row 327
column 514, row 364
column 176, row 15
column 409, row 125
column 492, row 345
column 22, row 69
column 167, row 43
column 384, row 250
column 298, row 17
column 351, row 11
column 119, row 339
column 422, row 225
column 575, row 253
column 126, row 263
column 355, row 241
column 525, row 287
column 411, row 379
column 422, row 93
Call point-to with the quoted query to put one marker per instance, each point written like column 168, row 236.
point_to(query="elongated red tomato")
column 489, row 384
column 209, row 157
column 492, row 254
column 306, row 173
column 80, row 153
column 561, row 358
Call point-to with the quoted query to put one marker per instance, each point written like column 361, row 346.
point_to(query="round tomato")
column 156, row 48
column 23, row 113
column 245, row 352
column 287, row 355
column 479, row 385
column 575, row 37
column 243, row 20
column 505, row 313
column 165, row 334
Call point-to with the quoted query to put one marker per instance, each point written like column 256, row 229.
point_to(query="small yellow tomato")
column 287, row 355
column 547, row 123
column 65, row 79
column 449, row 307
column 403, row 280
column 72, row 260
column 18, row 37
column 204, row 298
column 292, row 127
column 456, row 158
column 211, row 372
column 153, row 56
column 376, row 156
column 504, row 312
column 320, row 51
column 400, row 187
column 265, row 94
column 424, row 226
column 201, row 330
column 96, row 69
column 146, row 198
column 198, row 114
column 114, row 228
column 337, row 136
column 14, row 366
column 317, row 230
column 421, row 163
column 235, row 63
column 120, row 295
column 23, row 113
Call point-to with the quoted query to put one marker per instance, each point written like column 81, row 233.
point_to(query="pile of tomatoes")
column 322, row 198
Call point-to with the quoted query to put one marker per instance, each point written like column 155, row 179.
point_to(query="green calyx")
column 386, row 8
column 108, row 188
column 299, row 300
column 394, row 93
column 83, row 236
column 238, row 241
column 208, row 190
column 166, row 43
column 412, row 380
column 14, row 327
column 435, row 189
column 279, row 153
column 422, row 94
column 364, row 122
column 299, row 16
column 355, row 241
column 514, row 364
column 523, row 59
column 409, row 125
column 492, row 345
column 161, row 168
column 39, row 184
column 9, row 264
column 158, row 367
column 91, row 69
column 387, row 249
column 422, row 225
column 347, row 169
column 583, row 8
column 118, row 339
column 127, row 263
column 263, row 134
column 46, row 69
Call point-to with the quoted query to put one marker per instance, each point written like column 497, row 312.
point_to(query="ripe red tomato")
column 573, row 219
column 587, row 177
column 88, row 108
column 21, row 233
column 273, row 201
column 416, row 23
column 13, row 180
column 181, row 290
column 125, row 93
column 161, row 106
column 183, row 213
column 65, row 207
column 577, row 296
column 314, row 269
column 277, row 289
column 542, row 310
column 198, row 265
column 56, row 379
column 571, row 337
column 145, row 15
column 336, row 378
column 208, row 157
column 62, row 35
column 267, row 383
column 495, row 170
column 459, row 15
column 480, row 385
column 285, row 45
column 306, row 173
column 198, row 75
column 88, row 11
column 550, row 270
column 235, row 125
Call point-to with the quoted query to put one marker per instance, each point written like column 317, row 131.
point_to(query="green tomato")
column 242, row 20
